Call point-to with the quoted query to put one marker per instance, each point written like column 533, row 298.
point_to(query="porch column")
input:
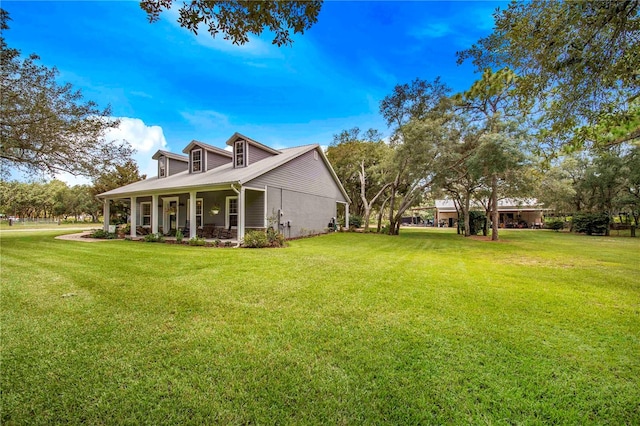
column 346, row 215
column 106, row 213
column 266, row 213
column 154, row 214
column 241, row 214
column 192, row 214
column 133, row 216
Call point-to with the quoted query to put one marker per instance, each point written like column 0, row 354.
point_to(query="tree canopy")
column 47, row 127
column 236, row 19
column 578, row 61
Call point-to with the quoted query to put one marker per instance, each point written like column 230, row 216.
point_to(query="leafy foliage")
column 197, row 241
column 555, row 224
column 422, row 136
column 235, row 20
column 120, row 175
column 262, row 239
column 577, row 61
column 492, row 102
column 46, row 199
column 255, row 239
column 102, row 234
column 477, row 221
column 47, row 127
column 355, row 221
column 154, row 238
column 361, row 162
column 591, row 223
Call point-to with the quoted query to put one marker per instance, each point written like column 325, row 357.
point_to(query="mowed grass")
column 424, row 328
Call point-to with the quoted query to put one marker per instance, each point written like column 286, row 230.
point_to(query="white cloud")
column 432, row 30
column 254, row 48
column 145, row 139
column 206, row 119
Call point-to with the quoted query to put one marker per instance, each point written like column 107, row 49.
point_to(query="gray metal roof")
column 207, row 147
column 219, row 176
column 170, row 155
column 237, row 136
column 507, row 204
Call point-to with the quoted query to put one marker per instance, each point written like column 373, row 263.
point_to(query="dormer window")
column 196, row 160
column 239, row 154
column 162, row 166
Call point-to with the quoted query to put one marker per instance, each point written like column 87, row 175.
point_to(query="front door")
column 170, row 216
column 173, row 214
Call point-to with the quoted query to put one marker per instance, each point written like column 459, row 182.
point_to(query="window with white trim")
column 231, row 219
column 196, row 160
column 162, row 166
column 239, row 152
column 198, row 211
column 145, row 214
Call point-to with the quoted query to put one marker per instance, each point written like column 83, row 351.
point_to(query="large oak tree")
column 235, row 20
column 577, row 61
column 47, row 127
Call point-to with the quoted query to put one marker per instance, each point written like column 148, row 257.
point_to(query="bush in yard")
column 102, row 234
column 197, row 241
column 355, row 221
column 153, row 238
column 179, row 236
column 275, row 238
column 255, row 239
column 554, row 223
column 591, row 223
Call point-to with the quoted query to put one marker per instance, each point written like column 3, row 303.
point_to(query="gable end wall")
column 303, row 174
column 305, row 191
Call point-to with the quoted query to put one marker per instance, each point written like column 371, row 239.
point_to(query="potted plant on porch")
column 214, row 210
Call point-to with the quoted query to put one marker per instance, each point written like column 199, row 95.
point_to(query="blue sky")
column 169, row 86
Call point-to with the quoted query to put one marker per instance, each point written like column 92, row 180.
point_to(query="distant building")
column 514, row 213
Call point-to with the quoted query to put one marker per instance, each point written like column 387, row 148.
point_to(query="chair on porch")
column 209, row 231
column 186, row 230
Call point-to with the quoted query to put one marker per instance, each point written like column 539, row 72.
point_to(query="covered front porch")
column 214, row 213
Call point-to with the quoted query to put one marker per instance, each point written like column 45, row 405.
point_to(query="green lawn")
column 425, row 328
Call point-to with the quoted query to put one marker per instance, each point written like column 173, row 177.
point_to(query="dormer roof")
column 171, row 155
column 194, row 143
column 237, row 136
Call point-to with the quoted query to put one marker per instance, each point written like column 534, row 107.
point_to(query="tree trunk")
column 458, row 206
column 392, row 201
column 494, row 213
column 465, row 212
column 380, row 214
column 367, row 217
